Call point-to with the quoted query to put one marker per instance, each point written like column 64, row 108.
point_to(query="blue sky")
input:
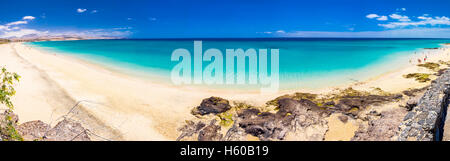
column 226, row 18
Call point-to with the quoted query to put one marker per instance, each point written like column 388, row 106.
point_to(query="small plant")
column 226, row 119
column 7, row 81
column 421, row 77
column 431, row 66
column 9, row 131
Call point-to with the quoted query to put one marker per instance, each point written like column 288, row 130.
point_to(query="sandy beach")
column 117, row 106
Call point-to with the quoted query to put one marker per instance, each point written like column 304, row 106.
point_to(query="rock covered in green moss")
column 420, row 77
column 430, row 65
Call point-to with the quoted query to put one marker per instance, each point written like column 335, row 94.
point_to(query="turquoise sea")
column 304, row 63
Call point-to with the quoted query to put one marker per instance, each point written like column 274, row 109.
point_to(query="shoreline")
column 289, row 83
column 141, row 107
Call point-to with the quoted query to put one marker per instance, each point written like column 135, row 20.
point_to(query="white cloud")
column 22, row 33
column 94, row 11
column 424, row 18
column 10, row 30
column 371, row 16
column 423, row 21
column 395, row 33
column 152, row 19
column 382, row 18
column 399, row 17
column 28, row 18
column 123, row 28
column 16, row 23
column 281, row 31
column 129, row 19
column 81, row 10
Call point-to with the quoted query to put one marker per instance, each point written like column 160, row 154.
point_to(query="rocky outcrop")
column 425, row 121
column 212, row 105
column 383, row 129
column 294, row 117
column 347, row 103
column 305, row 116
column 65, row 130
column 33, row 130
column 210, row 132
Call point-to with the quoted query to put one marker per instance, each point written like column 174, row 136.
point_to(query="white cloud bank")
column 81, row 10
column 395, row 33
column 378, row 17
column 19, row 33
column 423, row 21
column 16, row 30
column 399, row 17
column 16, row 23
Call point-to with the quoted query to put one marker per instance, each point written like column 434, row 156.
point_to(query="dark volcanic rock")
column 213, row 105
column 343, row 118
column 412, row 102
column 260, row 125
column 248, row 113
column 190, row 129
column 415, row 92
column 287, row 105
column 331, row 103
column 210, row 133
column 349, row 102
column 235, row 133
column 292, row 115
column 440, row 72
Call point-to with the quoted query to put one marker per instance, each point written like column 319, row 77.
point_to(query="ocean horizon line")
column 272, row 38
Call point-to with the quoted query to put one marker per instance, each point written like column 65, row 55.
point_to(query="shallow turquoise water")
column 304, row 63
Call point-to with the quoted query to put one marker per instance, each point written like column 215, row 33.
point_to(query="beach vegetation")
column 7, row 82
column 7, row 123
column 226, row 119
column 420, row 77
column 379, row 91
column 8, row 130
column 431, row 66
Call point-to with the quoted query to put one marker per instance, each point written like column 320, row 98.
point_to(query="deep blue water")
column 304, row 63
